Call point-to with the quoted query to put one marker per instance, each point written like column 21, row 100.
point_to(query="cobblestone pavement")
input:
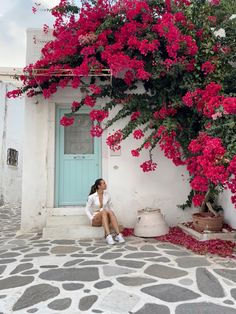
column 141, row 276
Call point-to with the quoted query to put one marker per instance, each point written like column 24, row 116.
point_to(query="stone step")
column 73, row 232
column 66, row 211
column 67, row 221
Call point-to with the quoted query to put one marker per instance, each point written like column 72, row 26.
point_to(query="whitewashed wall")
column 130, row 188
column 11, row 136
column 229, row 209
column 34, row 179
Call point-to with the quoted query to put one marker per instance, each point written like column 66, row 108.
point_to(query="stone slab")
column 118, row 301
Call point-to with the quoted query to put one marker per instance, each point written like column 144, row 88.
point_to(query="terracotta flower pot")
column 207, row 221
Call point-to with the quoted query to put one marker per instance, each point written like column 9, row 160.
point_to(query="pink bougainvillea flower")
column 114, row 140
column 89, row 101
column 96, row 90
column 96, row 131
column 135, row 115
column 45, row 28
column 75, row 83
column 138, row 134
column 208, row 67
column 14, row 93
column 214, row 2
column 212, row 19
column 216, row 115
column 199, row 183
column 75, row 105
column 98, row 115
column 229, row 105
column 147, row 145
column 148, row 166
column 67, row 121
column 198, row 199
column 135, row 153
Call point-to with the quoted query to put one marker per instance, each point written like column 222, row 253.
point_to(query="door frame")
column 58, row 110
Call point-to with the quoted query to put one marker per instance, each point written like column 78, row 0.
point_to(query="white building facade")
column 60, row 165
column 11, row 144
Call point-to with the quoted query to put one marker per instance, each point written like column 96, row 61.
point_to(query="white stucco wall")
column 130, row 188
column 11, row 136
column 34, row 177
column 229, row 209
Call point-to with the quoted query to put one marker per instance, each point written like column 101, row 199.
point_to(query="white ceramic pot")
column 150, row 223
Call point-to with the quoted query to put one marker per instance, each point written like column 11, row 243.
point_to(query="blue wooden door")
column 78, row 160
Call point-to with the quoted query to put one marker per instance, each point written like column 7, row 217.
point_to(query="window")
column 77, row 136
column 12, row 157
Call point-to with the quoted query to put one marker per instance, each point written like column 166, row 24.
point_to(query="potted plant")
column 210, row 217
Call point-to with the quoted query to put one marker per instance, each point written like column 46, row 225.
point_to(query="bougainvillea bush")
column 172, row 49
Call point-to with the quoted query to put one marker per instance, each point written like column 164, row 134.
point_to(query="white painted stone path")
column 141, row 276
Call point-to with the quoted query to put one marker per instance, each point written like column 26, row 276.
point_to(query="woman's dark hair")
column 95, row 186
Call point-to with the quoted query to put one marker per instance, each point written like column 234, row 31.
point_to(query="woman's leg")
column 102, row 219
column 97, row 220
column 113, row 220
column 105, row 222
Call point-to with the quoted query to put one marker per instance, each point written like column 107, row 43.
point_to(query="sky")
column 15, row 17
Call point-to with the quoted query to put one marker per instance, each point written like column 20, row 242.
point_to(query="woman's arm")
column 88, row 208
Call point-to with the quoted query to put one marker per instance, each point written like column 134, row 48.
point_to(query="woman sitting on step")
column 99, row 211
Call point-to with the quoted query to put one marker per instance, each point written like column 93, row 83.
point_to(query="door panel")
column 78, row 160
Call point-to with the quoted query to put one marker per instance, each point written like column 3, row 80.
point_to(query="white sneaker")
column 109, row 239
column 119, row 238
